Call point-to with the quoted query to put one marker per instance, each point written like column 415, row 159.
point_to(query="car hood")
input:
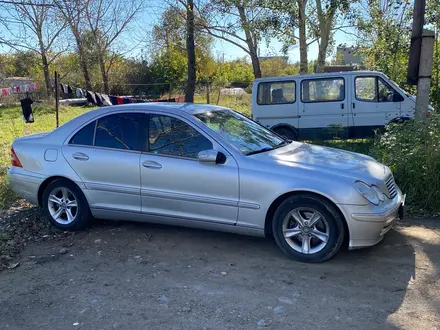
column 330, row 160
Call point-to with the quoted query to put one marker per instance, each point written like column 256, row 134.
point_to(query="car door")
column 175, row 184
column 373, row 105
column 323, row 113
column 105, row 154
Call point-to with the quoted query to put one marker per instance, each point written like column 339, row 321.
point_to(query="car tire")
column 308, row 228
column 286, row 132
column 65, row 205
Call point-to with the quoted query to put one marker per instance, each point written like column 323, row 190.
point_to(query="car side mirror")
column 397, row 97
column 211, row 157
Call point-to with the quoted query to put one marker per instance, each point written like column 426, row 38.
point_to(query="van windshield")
column 396, row 85
column 244, row 134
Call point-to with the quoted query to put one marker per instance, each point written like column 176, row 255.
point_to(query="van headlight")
column 370, row 193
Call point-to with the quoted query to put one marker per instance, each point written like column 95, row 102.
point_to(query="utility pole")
column 425, row 71
column 420, row 59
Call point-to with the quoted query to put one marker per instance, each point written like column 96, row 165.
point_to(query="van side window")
column 323, row 90
column 373, row 89
column 276, row 92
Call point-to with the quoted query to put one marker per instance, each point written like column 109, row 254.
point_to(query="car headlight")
column 370, row 193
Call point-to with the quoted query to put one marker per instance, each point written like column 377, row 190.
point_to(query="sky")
column 230, row 52
column 221, row 49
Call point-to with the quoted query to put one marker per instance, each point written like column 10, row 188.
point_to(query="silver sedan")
column 207, row 167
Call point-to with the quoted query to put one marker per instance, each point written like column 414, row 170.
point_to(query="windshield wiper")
column 279, row 145
column 259, row 151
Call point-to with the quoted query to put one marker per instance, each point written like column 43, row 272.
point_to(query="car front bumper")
column 368, row 224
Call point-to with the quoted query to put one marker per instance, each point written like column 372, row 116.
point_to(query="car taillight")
column 14, row 159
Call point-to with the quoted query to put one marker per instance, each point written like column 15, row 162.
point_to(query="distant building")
column 348, row 55
column 284, row 59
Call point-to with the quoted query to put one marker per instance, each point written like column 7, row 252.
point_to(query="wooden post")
column 169, row 97
column 207, row 93
column 57, row 98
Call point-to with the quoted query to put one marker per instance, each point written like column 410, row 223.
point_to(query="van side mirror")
column 211, row 157
column 397, row 97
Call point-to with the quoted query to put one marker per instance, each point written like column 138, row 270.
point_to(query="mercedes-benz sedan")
column 207, row 167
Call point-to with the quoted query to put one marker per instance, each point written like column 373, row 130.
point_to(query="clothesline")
column 24, row 88
column 101, row 99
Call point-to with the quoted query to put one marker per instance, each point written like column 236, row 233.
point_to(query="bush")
column 412, row 151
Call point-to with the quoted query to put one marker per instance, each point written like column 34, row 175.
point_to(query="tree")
column 72, row 12
column 34, row 27
column 383, row 34
column 107, row 20
column 226, row 19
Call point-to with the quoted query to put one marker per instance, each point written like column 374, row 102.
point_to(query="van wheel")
column 286, row 132
column 308, row 228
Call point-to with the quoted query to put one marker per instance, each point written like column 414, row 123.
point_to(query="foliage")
column 277, row 66
column 412, row 150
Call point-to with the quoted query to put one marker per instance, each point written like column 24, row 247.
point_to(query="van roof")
column 319, row 75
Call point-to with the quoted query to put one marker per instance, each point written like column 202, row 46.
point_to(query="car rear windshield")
column 243, row 133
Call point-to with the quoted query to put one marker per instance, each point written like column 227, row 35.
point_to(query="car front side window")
column 173, row 137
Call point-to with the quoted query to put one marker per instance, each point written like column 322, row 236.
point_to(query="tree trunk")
column 191, row 52
column 83, row 60
column 322, row 53
column 250, row 43
column 46, row 74
column 104, row 75
column 303, row 61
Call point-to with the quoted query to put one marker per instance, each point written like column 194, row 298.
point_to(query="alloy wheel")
column 306, row 230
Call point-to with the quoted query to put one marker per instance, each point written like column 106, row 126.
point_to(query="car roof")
column 190, row 108
column 319, row 75
column 163, row 106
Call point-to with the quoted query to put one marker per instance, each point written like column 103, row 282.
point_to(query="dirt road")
column 142, row 276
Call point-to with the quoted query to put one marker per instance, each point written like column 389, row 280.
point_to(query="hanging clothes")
column 105, row 100
column 26, row 108
column 64, row 88
column 79, row 93
column 4, row 92
column 113, row 99
column 98, row 99
column 91, row 98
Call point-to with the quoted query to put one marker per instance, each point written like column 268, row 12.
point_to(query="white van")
column 322, row 106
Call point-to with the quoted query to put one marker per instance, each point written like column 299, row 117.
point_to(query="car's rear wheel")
column 65, row 205
column 308, row 228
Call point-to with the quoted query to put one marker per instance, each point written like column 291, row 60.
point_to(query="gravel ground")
column 143, row 276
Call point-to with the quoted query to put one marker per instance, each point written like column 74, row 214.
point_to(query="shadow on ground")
column 137, row 276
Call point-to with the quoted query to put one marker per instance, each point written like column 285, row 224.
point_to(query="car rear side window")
column 277, row 92
column 171, row 136
column 85, row 135
column 322, row 90
column 119, row 131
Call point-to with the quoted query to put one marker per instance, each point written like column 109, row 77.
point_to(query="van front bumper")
column 367, row 225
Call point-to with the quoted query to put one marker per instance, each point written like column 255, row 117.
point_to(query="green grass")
column 13, row 126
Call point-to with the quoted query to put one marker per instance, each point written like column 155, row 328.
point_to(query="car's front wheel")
column 65, row 205
column 308, row 228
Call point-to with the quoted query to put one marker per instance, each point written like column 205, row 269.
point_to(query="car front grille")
column 391, row 187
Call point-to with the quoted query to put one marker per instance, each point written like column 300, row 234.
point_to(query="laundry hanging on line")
column 26, row 108
column 25, row 88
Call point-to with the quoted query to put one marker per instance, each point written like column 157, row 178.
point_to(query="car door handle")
column 342, row 105
column 354, row 105
column 80, row 156
column 151, row 164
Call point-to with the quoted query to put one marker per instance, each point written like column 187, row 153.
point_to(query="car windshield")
column 243, row 133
